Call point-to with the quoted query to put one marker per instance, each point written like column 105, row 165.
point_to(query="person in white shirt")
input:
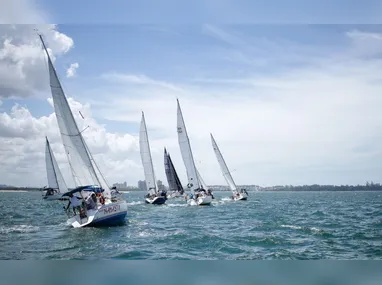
column 74, row 201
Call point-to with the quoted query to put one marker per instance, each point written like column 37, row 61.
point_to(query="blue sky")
column 214, row 11
column 287, row 103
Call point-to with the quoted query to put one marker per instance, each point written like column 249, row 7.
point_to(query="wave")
column 19, row 229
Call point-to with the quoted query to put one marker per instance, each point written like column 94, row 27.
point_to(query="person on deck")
column 91, row 204
column 74, row 201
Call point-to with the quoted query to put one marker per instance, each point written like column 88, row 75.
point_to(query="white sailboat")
column 154, row 196
column 105, row 212
column 56, row 183
column 237, row 195
column 175, row 186
column 200, row 195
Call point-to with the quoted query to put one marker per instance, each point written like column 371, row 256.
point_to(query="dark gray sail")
column 174, row 183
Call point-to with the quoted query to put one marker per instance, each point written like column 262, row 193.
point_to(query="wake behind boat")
column 153, row 196
column 56, row 182
column 199, row 194
column 175, row 186
column 241, row 194
column 83, row 166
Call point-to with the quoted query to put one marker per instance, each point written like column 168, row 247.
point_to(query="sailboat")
column 199, row 193
column 174, row 185
column 237, row 195
column 153, row 196
column 56, row 183
column 83, row 167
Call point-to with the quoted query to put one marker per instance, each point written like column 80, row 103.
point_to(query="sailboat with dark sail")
column 175, row 188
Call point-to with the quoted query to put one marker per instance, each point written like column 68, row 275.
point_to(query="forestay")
column 204, row 185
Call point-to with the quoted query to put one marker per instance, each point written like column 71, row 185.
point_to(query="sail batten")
column 146, row 158
column 223, row 166
column 81, row 164
column 185, row 148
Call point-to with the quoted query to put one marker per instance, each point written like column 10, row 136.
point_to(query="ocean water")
column 270, row 225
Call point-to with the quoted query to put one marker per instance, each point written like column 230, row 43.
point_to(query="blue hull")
column 115, row 220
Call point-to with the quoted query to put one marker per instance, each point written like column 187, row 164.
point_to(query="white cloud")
column 358, row 35
column 317, row 123
column 21, row 12
column 22, row 147
column 72, row 70
column 23, row 64
column 365, row 43
column 222, row 35
column 138, row 79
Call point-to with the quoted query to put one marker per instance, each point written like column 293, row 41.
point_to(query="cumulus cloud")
column 22, row 147
column 316, row 123
column 23, row 64
column 72, row 70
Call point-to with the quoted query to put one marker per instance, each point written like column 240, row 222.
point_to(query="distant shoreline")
column 276, row 190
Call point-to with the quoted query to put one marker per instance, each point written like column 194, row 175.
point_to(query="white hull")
column 200, row 201
column 175, row 195
column 205, row 200
column 240, row 196
column 106, row 215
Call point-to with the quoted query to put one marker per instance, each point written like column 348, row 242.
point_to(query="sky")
column 290, row 101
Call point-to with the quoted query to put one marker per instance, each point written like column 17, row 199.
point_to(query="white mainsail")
column 148, row 168
column 223, row 165
column 185, row 149
column 55, row 178
column 83, row 170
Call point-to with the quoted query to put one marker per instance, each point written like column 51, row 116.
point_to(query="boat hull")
column 156, row 200
column 175, row 195
column 204, row 201
column 200, row 201
column 240, row 197
column 111, row 214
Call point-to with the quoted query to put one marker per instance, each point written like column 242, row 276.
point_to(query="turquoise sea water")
column 270, row 225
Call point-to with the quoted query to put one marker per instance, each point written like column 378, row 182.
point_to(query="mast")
column 78, row 146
